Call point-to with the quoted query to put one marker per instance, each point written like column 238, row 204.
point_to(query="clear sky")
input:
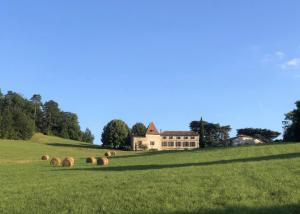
column 235, row 62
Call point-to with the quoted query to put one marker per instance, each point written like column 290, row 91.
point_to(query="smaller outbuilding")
column 244, row 140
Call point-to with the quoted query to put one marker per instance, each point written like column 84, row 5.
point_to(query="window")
column 170, row 137
column 164, row 144
column 192, row 144
column 152, row 143
column 164, row 137
column 192, row 138
column 186, row 137
column 178, row 144
column 186, row 144
column 171, row 144
column 178, row 138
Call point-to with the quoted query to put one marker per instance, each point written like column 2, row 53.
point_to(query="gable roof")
column 152, row 129
column 179, row 133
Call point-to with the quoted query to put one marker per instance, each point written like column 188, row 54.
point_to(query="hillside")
column 260, row 179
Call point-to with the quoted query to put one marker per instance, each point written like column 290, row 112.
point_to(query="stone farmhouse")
column 166, row 140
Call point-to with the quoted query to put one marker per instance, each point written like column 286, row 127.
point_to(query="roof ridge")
column 152, row 129
column 183, row 133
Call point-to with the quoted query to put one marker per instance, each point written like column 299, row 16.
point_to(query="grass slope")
column 254, row 179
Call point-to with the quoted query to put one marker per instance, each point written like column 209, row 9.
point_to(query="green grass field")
column 253, row 179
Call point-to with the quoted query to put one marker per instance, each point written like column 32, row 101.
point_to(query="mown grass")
column 253, row 179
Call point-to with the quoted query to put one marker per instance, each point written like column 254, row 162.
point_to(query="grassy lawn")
column 253, row 179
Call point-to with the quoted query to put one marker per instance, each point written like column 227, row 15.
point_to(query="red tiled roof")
column 178, row 133
column 152, row 129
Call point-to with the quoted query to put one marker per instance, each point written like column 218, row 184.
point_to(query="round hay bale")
column 91, row 160
column 45, row 157
column 71, row 159
column 113, row 153
column 68, row 162
column 107, row 154
column 103, row 161
column 55, row 162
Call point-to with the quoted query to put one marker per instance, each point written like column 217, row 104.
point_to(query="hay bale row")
column 70, row 162
column 67, row 162
column 103, row 161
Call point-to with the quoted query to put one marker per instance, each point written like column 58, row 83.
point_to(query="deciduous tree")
column 292, row 125
column 213, row 133
column 87, row 136
column 36, row 99
column 116, row 134
column 201, row 133
column 138, row 130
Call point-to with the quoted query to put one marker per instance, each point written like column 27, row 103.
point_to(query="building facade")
column 167, row 140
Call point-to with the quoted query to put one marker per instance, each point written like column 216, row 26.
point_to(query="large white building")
column 166, row 140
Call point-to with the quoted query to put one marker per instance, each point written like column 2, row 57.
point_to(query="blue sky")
column 232, row 62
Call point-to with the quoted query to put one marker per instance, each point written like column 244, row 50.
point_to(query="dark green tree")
column 201, row 134
column 51, row 118
column 23, row 126
column 87, row 136
column 116, row 134
column 0, row 126
column 17, row 118
column 1, row 98
column 291, row 125
column 36, row 99
column 138, row 130
column 68, row 126
column 214, row 133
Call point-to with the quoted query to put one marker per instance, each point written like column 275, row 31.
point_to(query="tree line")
column 214, row 134
column 117, row 134
column 20, row 118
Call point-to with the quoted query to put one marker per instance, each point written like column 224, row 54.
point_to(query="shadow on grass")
column 85, row 146
column 284, row 209
column 180, row 165
column 152, row 153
